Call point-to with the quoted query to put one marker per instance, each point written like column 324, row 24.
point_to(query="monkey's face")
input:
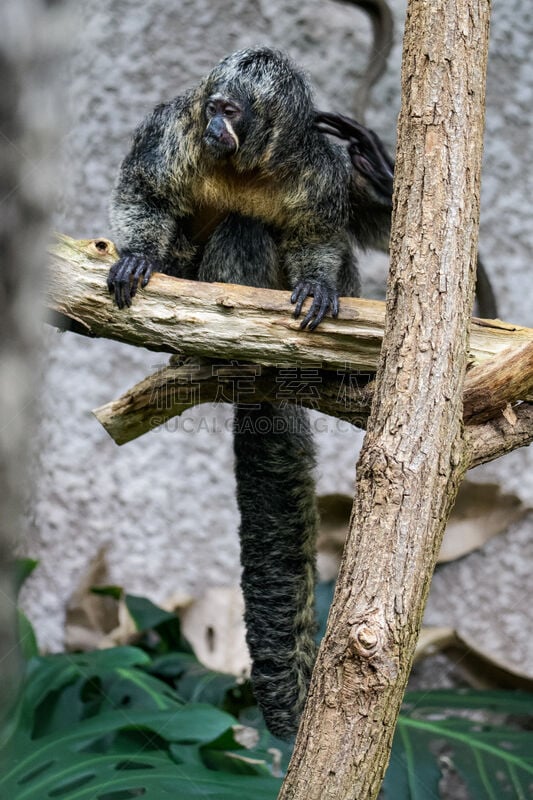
column 226, row 126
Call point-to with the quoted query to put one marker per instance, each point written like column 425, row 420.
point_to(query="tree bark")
column 413, row 457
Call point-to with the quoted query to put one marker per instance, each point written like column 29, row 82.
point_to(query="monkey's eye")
column 231, row 111
column 210, row 109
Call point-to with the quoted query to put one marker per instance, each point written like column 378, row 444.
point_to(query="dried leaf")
column 125, row 632
column 509, row 414
column 481, row 512
column 432, row 640
column 481, row 669
column 213, row 624
column 89, row 617
column 335, row 511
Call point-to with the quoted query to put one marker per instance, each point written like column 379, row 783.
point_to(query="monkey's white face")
column 224, row 129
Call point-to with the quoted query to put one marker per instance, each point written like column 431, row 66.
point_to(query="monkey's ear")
column 370, row 160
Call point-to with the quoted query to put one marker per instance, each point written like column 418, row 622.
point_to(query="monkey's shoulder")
column 160, row 140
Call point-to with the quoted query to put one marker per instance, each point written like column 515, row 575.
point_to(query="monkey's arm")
column 143, row 222
column 144, row 230
column 316, row 246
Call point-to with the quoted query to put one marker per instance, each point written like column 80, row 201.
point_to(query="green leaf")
column 202, row 685
column 173, row 665
column 70, row 763
column 137, row 689
column 46, row 675
column 99, row 662
column 98, row 780
column 485, row 737
column 323, row 598
column 100, row 726
column 239, row 763
column 51, row 696
column 146, row 614
column 23, row 567
column 27, row 639
column 168, row 639
column 198, row 684
column 108, row 591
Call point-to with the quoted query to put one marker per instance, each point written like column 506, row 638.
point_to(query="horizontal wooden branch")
column 321, row 370
column 228, row 322
column 491, row 386
column 490, row 440
column 172, row 390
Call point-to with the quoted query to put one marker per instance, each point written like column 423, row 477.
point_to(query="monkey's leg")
column 276, row 495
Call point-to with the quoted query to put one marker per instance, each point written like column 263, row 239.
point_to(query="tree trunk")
column 413, row 457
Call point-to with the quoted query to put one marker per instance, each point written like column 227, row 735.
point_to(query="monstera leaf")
column 97, row 726
column 150, row 721
column 484, row 738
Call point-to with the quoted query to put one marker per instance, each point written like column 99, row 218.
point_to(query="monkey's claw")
column 324, row 299
column 125, row 275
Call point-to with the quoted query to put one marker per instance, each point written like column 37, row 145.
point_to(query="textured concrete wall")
column 165, row 503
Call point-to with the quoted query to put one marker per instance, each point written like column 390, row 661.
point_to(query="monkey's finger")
column 123, row 280
column 144, row 271
column 148, row 274
column 320, row 310
column 307, row 320
column 299, row 296
column 314, row 310
column 112, row 274
column 111, row 279
column 297, row 291
column 335, row 305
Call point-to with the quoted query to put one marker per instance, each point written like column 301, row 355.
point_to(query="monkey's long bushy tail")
column 276, row 495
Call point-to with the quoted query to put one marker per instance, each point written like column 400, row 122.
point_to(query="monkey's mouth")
column 220, row 146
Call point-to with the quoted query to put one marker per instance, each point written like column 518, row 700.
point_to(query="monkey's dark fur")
column 234, row 182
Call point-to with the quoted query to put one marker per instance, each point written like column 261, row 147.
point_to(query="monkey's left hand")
column 324, row 298
column 125, row 274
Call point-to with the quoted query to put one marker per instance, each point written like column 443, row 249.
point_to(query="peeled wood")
column 172, row 390
column 221, row 320
column 499, row 381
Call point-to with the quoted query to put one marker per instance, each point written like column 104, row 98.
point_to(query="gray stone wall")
column 165, row 503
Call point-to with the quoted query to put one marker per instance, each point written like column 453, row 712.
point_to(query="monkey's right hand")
column 125, row 274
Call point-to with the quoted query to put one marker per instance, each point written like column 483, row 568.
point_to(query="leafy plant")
column 131, row 722
column 484, row 738
column 150, row 721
